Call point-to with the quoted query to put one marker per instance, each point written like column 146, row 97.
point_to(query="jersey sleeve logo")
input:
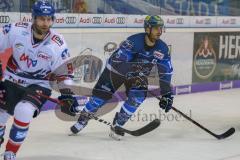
column 6, row 28
column 57, row 40
column 65, row 54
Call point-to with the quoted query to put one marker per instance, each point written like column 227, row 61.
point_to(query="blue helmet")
column 42, row 8
column 152, row 21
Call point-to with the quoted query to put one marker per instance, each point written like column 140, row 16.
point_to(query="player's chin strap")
column 145, row 129
column 221, row 136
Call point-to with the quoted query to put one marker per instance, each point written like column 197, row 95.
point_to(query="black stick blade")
column 226, row 134
column 147, row 128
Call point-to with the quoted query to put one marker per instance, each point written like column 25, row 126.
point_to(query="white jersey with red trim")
column 33, row 63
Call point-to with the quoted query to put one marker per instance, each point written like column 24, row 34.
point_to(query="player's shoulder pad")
column 163, row 46
column 136, row 40
column 127, row 45
column 132, row 40
column 130, row 43
column 59, row 45
column 21, row 24
column 16, row 28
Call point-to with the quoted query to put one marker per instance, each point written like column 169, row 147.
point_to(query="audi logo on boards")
column 180, row 21
column 233, row 21
column 4, row 19
column 207, row 21
column 70, row 20
column 97, row 20
column 120, row 20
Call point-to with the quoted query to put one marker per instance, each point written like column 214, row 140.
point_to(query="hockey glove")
column 69, row 105
column 166, row 102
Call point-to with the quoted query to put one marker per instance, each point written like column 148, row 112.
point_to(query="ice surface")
column 175, row 139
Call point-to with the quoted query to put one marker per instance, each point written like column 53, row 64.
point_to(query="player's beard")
column 40, row 31
column 153, row 38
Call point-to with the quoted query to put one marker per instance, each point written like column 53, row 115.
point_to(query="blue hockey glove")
column 166, row 102
column 70, row 104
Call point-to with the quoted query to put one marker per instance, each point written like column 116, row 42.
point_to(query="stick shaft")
column 188, row 118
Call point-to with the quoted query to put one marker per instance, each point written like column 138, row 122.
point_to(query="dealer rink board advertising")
column 216, row 56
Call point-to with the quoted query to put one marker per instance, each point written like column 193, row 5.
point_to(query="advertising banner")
column 202, row 21
column 70, row 20
column 25, row 17
column 228, row 21
column 216, row 57
column 135, row 21
column 8, row 17
column 176, row 21
column 114, row 20
column 93, row 20
column 66, row 20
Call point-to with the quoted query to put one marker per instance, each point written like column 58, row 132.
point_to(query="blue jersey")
column 134, row 56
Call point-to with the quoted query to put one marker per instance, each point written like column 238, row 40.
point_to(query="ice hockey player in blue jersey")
column 130, row 65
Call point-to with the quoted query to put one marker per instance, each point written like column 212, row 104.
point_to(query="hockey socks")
column 17, row 135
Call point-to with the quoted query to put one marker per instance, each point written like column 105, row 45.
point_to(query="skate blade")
column 72, row 134
column 115, row 136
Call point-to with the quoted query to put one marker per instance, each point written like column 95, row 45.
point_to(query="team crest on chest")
column 30, row 62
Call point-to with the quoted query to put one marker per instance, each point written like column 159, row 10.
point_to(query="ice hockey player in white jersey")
column 37, row 52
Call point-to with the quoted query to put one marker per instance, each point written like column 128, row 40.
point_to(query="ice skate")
column 80, row 124
column 9, row 155
column 115, row 132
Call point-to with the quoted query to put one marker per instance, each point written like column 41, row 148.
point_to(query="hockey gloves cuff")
column 69, row 105
column 166, row 102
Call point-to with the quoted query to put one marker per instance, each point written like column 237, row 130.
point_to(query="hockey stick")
column 145, row 129
column 218, row 136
